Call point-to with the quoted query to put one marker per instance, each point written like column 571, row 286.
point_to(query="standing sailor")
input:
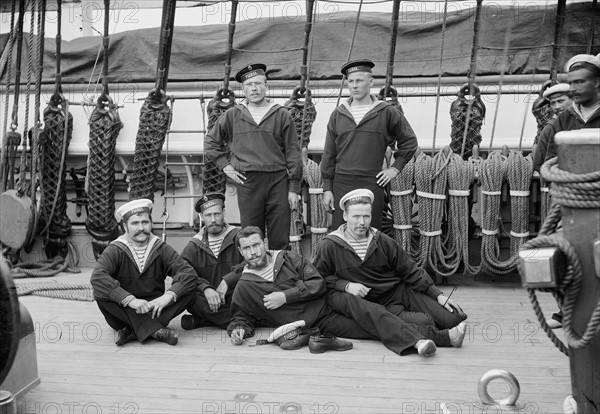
column 129, row 280
column 266, row 162
column 358, row 133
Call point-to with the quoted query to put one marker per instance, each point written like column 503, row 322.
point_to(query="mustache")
column 137, row 233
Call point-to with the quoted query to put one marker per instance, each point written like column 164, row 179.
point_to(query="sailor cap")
column 556, row 90
column 360, row 65
column 584, row 61
column 250, row 71
column 141, row 205
column 209, row 200
column 362, row 195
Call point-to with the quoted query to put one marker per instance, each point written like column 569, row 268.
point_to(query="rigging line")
column 306, row 63
column 231, row 30
column 350, row 51
column 558, row 32
column 41, row 31
column 307, row 38
column 537, row 58
column 389, row 76
column 439, row 82
column 593, row 19
column 295, row 49
column 9, row 46
column 501, row 81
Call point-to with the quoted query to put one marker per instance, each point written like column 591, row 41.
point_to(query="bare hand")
column 328, row 201
column 140, row 305
column 234, row 174
column 357, row 289
column 274, row 300
column 237, row 336
column 222, row 290
column 159, row 304
column 304, row 155
column 386, row 175
column 213, row 298
column 293, row 199
column 450, row 305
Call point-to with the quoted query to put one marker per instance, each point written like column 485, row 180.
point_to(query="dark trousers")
column 344, row 183
column 354, row 317
column 419, row 308
column 119, row 317
column 263, row 200
column 201, row 309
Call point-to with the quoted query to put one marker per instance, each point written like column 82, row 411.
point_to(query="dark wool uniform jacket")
column 360, row 149
column 386, row 266
column 296, row 277
column 116, row 274
column 269, row 147
column 569, row 120
column 211, row 269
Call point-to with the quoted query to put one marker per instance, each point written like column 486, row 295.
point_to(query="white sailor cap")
column 141, row 205
column 584, row 61
column 287, row 331
column 361, row 194
column 556, row 90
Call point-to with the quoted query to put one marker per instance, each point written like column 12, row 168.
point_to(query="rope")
column 518, row 171
column 401, row 191
column 318, row 214
column 6, row 138
column 105, row 126
column 439, row 81
column 350, row 50
column 49, row 267
column 467, row 117
column 572, row 190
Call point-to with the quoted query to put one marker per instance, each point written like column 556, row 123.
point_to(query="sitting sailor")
column 129, row 280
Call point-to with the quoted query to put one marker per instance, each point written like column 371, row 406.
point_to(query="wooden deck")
column 81, row 369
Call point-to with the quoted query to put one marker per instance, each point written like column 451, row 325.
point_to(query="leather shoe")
column 167, row 335
column 318, row 344
column 124, row 336
column 189, row 322
column 299, row 341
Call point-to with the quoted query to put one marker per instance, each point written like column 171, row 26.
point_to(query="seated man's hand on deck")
column 274, row 300
column 159, row 304
column 213, row 298
column 237, row 336
column 357, row 289
column 140, row 305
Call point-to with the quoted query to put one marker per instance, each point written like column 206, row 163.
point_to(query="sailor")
column 364, row 262
column 212, row 253
column 583, row 76
column 266, row 162
column 129, row 280
column 558, row 96
column 358, row 133
column 280, row 287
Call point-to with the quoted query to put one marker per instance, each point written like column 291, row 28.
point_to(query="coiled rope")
column 105, row 126
column 318, row 214
column 58, row 121
column 401, row 200
column 518, row 171
column 155, row 117
column 213, row 178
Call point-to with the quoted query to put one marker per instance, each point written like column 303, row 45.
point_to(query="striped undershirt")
column 359, row 111
column 258, row 113
column 215, row 243
column 265, row 272
column 360, row 247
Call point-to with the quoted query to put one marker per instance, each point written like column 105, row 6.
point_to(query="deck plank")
column 83, row 371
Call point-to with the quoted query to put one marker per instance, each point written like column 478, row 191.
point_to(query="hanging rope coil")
column 461, row 175
column 431, row 177
column 467, row 116
column 105, row 126
column 518, row 171
column 318, row 214
column 401, row 200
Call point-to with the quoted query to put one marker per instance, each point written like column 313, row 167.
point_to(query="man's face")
column 560, row 103
column 253, row 250
column 359, row 84
column 255, row 88
column 358, row 218
column 139, row 227
column 584, row 86
column 214, row 220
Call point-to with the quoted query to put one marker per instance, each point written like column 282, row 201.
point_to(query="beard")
column 215, row 229
column 257, row 262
